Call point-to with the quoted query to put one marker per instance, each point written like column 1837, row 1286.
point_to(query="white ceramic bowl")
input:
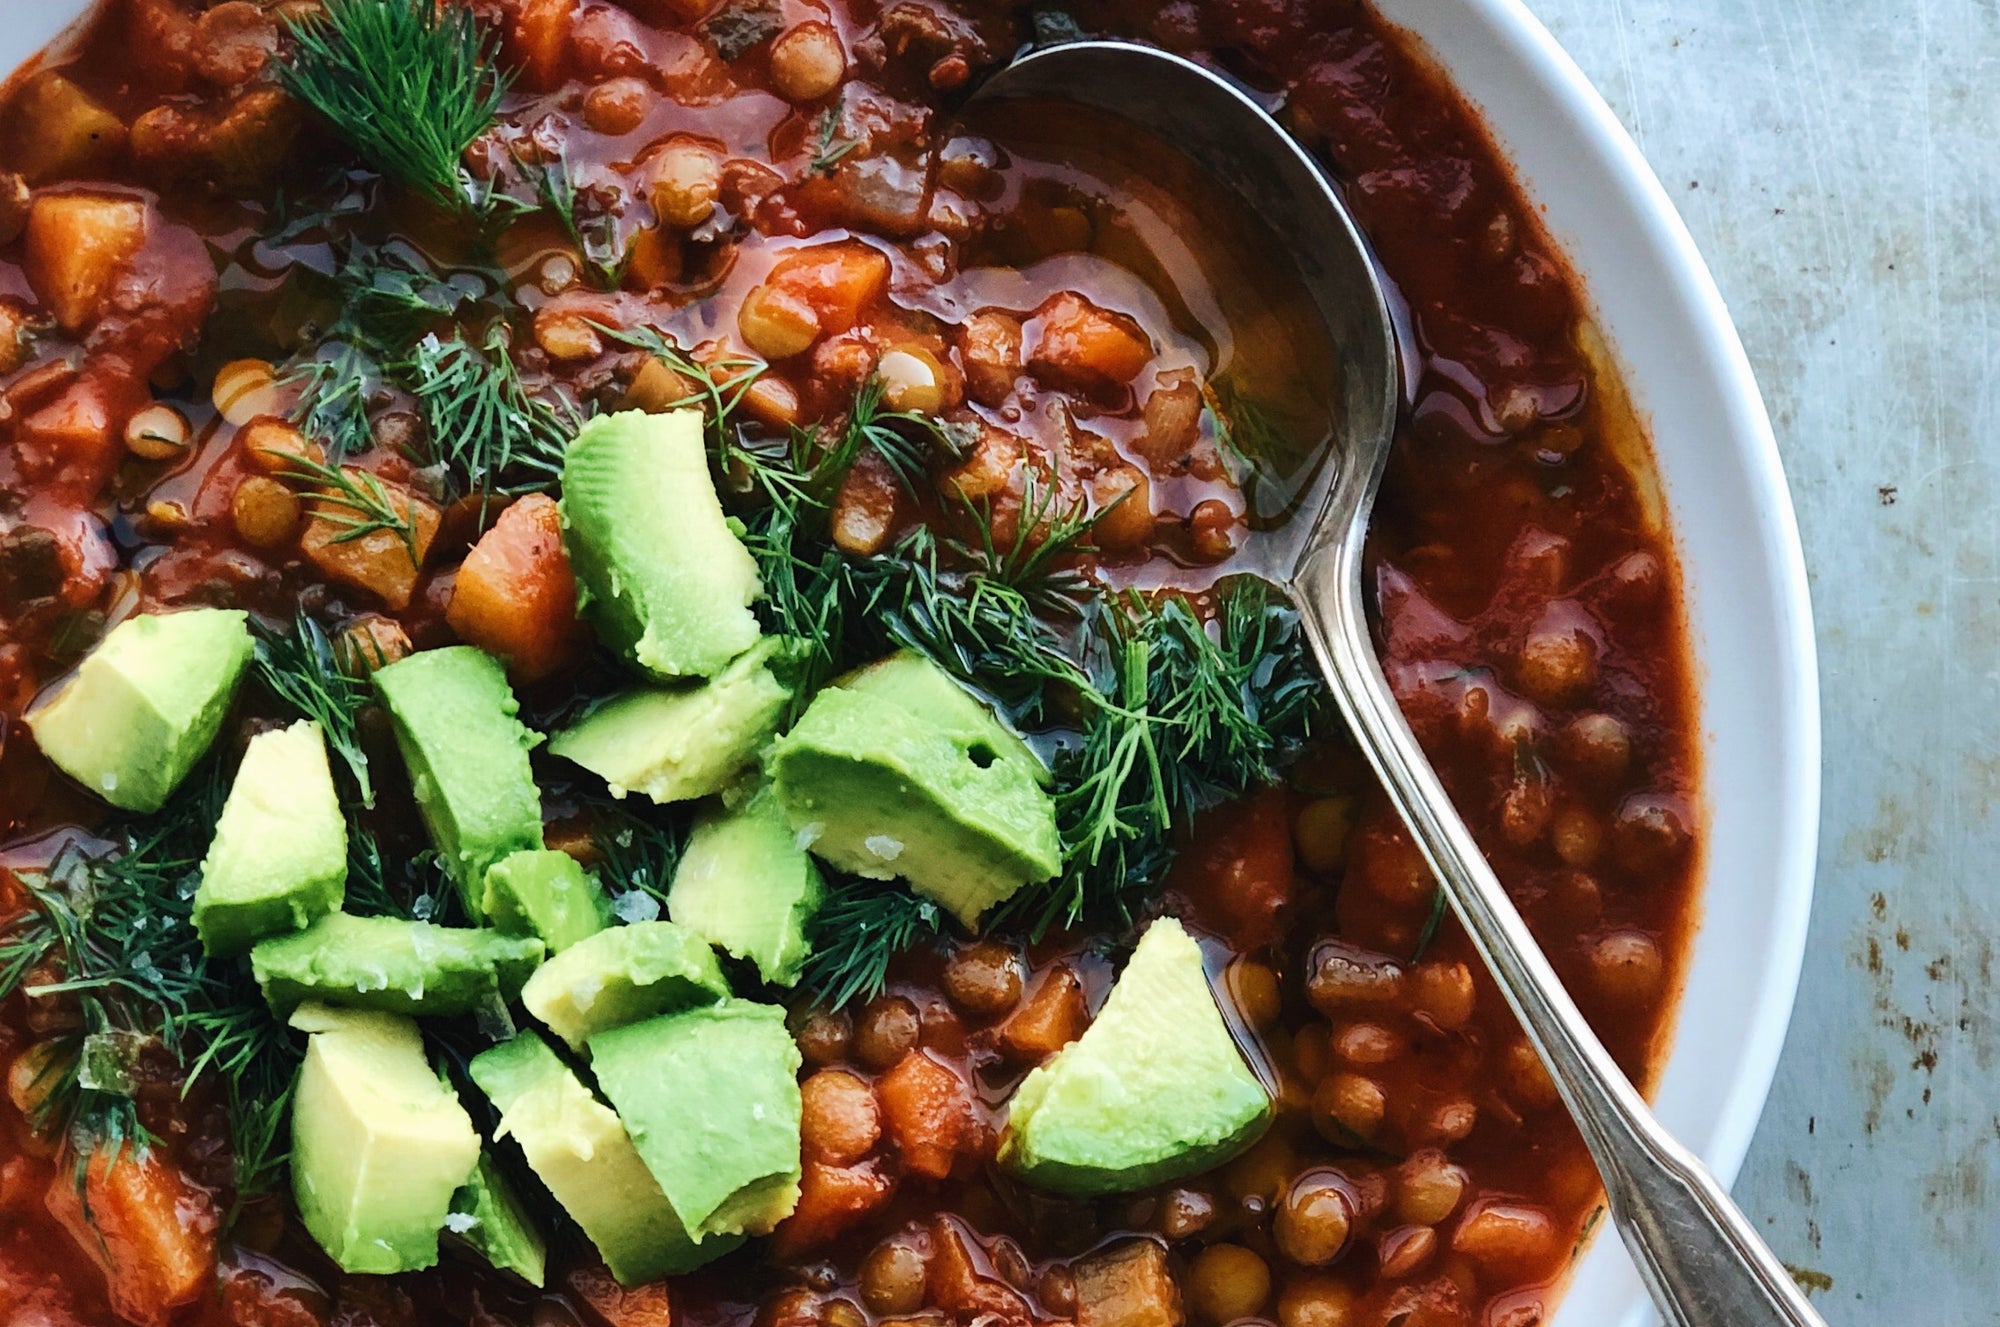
column 1739, row 548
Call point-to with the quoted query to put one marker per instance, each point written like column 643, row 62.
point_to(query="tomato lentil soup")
column 765, row 208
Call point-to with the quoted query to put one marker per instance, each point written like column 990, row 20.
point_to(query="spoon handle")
column 1699, row 1256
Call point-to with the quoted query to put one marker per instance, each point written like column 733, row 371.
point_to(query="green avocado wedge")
column 661, row 575
column 393, row 965
column 1155, row 1089
column 468, row 760
column 379, row 1145
column 488, row 1215
column 621, row 975
column 146, row 704
column 279, row 857
column 580, row 1150
column 544, row 892
column 711, row 1099
column 744, row 885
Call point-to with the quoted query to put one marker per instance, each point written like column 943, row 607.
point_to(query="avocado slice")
column 279, row 857
column 660, row 573
column 675, row 744
column 745, row 886
column 488, row 1215
column 468, row 760
column 620, row 975
column 393, row 965
column 576, row 1144
column 1154, row 1089
column 145, row 705
column 897, row 770
column 543, row 892
column 379, row 1145
column 726, row 1152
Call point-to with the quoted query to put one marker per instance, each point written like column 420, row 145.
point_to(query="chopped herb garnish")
column 488, row 431
column 300, row 668
column 860, row 928
column 737, row 27
column 594, row 236
column 829, row 148
column 354, row 500
column 409, row 83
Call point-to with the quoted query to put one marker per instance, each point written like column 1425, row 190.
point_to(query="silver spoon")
column 1705, row 1265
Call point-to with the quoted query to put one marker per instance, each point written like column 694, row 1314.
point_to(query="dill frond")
column 409, row 83
column 300, row 669
column 856, row 933
column 353, row 499
column 489, row 432
column 829, row 148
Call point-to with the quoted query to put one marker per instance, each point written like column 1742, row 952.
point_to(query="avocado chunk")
column 393, row 965
column 576, row 1144
column 379, row 1145
column 620, row 975
column 468, row 760
column 675, row 744
column 1154, row 1089
column 488, row 1215
column 745, row 886
column 145, row 705
column 726, row 1152
column 660, row 573
column 544, row 892
column 279, row 857
column 898, row 771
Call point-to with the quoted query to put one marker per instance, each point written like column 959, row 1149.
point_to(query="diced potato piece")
column 62, row 131
column 151, row 1231
column 378, row 561
column 612, row 1305
column 954, row 1284
column 989, row 348
column 832, row 1200
column 1054, row 1016
column 929, row 1110
column 864, row 510
column 838, row 280
column 1085, row 347
column 1128, row 1286
column 515, row 597
column 76, row 244
column 79, row 435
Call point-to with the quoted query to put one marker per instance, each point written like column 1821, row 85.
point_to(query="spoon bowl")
column 1703, row 1263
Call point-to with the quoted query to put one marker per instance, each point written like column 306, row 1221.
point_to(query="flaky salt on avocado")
column 146, row 704
column 662, row 576
column 1154, row 1089
column 393, row 965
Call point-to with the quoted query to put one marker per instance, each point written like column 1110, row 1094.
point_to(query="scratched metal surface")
column 1839, row 164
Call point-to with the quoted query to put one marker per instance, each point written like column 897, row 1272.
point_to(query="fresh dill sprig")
column 409, row 83
column 904, row 439
column 299, row 668
column 595, row 238
column 829, row 148
column 636, row 854
column 717, row 387
column 354, row 500
column 856, row 933
column 488, row 431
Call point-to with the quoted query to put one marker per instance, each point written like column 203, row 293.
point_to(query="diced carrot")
column 832, row 1199
column 1127, row 1286
column 954, row 1283
column 540, row 39
column 612, row 1305
column 514, row 596
column 838, row 280
column 1083, row 346
column 1054, row 1016
column 76, row 243
column 864, row 510
column 78, row 437
column 929, row 1110
column 140, row 1219
column 380, row 560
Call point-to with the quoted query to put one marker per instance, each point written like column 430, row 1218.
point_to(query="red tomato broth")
column 1527, row 589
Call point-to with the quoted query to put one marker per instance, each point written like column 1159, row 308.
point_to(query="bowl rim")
column 1524, row 48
